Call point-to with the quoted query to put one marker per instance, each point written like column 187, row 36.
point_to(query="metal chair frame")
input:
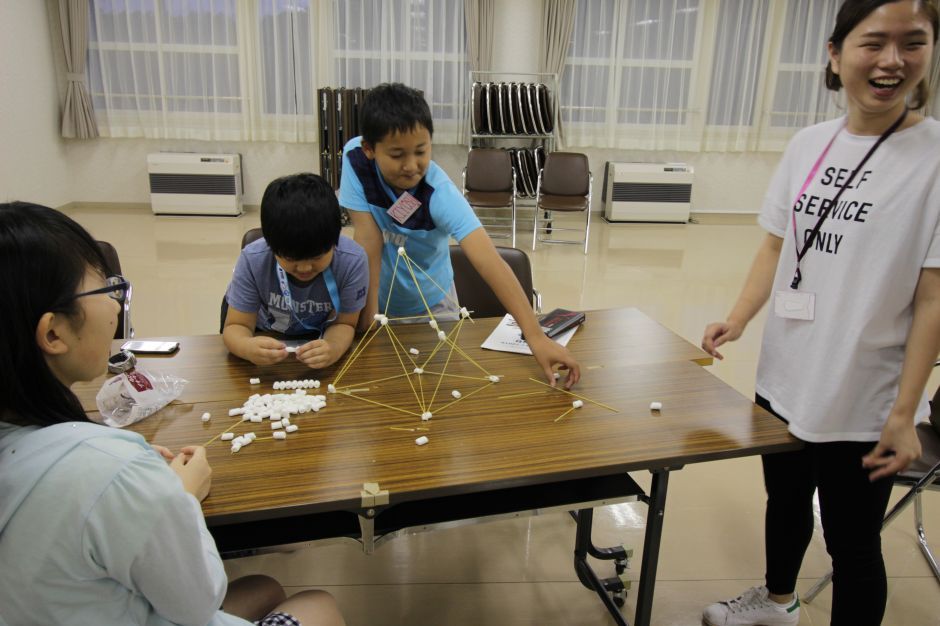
column 494, row 220
column 550, row 220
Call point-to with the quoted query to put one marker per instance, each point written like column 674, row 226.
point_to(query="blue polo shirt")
column 425, row 235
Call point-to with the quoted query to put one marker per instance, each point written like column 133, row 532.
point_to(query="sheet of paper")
column 507, row 337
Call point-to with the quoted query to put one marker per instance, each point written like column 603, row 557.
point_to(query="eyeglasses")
column 117, row 288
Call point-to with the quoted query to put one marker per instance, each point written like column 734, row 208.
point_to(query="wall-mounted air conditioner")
column 183, row 183
column 647, row 192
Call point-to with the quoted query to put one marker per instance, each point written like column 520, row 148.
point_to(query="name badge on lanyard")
column 801, row 305
column 404, row 207
column 795, row 305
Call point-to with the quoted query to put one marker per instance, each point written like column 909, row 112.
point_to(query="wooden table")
column 489, row 455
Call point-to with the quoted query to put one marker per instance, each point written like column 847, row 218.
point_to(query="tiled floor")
column 519, row 572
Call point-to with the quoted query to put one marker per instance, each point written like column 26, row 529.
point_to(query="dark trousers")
column 852, row 509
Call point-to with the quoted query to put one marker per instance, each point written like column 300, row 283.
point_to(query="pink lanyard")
column 798, row 275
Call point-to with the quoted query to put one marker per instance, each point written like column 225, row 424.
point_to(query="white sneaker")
column 752, row 608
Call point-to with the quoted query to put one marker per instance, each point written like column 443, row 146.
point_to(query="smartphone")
column 151, row 347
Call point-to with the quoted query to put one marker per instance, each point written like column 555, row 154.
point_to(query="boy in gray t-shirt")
column 302, row 280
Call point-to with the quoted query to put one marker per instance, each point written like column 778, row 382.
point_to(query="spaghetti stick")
column 519, row 395
column 239, row 421
column 463, row 397
column 564, row 414
column 382, row 404
column 576, row 395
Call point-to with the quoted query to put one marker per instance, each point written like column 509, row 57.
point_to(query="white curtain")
column 421, row 43
column 78, row 118
column 557, row 24
column 204, row 69
column 479, row 16
column 696, row 75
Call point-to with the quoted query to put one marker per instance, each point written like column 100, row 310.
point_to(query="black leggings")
column 852, row 509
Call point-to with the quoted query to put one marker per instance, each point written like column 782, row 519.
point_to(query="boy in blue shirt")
column 302, row 279
column 397, row 196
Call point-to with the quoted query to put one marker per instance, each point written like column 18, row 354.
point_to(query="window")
column 695, row 74
column 421, row 43
column 203, row 69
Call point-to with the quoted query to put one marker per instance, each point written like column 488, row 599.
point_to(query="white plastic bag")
column 131, row 396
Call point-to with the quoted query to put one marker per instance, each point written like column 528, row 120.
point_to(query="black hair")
column 43, row 259
column 851, row 13
column 300, row 216
column 390, row 108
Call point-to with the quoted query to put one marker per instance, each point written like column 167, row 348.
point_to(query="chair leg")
column 513, row 221
column 815, row 589
column 922, row 537
column 535, row 227
column 587, row 227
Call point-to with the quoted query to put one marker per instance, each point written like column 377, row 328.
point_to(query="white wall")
column 33, row 161
column 36, row 164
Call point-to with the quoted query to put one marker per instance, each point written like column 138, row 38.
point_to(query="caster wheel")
column 620, row 565
column 619, row 601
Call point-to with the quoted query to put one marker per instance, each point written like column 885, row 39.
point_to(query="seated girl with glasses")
column 96, row 527
column 302, row 280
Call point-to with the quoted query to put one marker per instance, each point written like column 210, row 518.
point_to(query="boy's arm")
column 497, row 274
column 336, row 340
column 368, row 235
column 238, row 335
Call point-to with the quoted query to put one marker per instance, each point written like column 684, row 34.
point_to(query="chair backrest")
column 472, row 290
column 566, row 174
column 935, row 411
column 489, row 169
column 124, row 329
column 252, row 234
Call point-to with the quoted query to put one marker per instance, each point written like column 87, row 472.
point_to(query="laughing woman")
column 852, row 262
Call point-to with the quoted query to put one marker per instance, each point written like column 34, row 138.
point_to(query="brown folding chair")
column 252, row 234
column 124, row 329
column 489, row 184
column 476, row 295
column 564, row 186
column 923, row 474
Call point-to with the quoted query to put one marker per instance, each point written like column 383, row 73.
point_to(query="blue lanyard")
column 330, row 287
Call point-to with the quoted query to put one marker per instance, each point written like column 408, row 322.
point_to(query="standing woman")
column 851, row 264
column 97, row 527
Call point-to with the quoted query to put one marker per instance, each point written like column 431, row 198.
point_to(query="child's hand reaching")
column 317, row 354
column 265, row 351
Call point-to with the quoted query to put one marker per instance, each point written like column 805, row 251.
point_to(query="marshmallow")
column 557, row 375
column 656, row 406
column 280, row 435
column 291, row 349
column 383, row 321
column 419, row 370
column 377, row 317
column 426, row 415
column 464, row 313
column 285, row 422
column 234, row 412
column 291, row 428
column 254, row 381
column 421, row 440
column 433, row 324
column 331, row 388
column 276, row 425
column 251, row 436
column 442, row 335
column 206, row 417
column 455, row 393
column 414, row 351
column 236, row 447
column 401, row 250
column 494, row 379
column 577, row 404
column 257, row 419
column 227, row 436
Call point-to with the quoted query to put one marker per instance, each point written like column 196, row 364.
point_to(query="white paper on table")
column 507, row 337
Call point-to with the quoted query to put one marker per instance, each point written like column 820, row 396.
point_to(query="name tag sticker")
column 795, row 305
column 404, row 207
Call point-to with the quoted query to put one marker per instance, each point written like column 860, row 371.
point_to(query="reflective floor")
column 520, row 572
